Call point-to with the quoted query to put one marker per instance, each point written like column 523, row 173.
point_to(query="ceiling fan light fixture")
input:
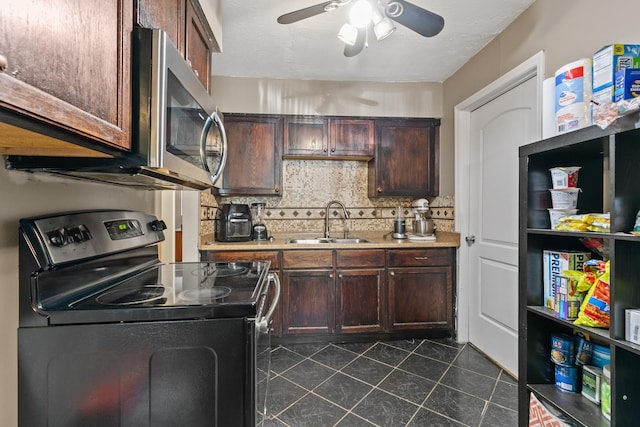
column 383, row 29
column 382, row 26
column 361, row 13
column 348, row 34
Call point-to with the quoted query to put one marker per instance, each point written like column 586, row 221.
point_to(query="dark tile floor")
column 392, row 383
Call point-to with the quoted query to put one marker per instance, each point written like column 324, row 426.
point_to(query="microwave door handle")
column 214, row 118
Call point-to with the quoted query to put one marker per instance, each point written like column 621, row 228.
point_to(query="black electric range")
column 109, row 335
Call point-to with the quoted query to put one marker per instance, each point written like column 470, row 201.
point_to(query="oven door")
column 140, row 374
column 263, row 346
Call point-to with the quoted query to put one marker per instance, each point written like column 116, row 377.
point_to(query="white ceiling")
column 255, row 45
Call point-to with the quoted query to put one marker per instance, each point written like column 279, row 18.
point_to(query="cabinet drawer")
column 360, row 258
column 243, row 256
column 307, row 259
column 420, row 257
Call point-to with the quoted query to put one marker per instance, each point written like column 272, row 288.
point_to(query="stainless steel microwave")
column 178, row 135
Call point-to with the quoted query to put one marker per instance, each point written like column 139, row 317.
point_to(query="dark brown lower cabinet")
column 308, row 302
column 420, row 298
column 346, row 292
column 420, row 285
column 359, row 301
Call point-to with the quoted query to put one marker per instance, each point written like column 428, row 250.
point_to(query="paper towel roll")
column 573, row 95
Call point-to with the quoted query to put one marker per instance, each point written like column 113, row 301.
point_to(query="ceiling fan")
column 372, row 16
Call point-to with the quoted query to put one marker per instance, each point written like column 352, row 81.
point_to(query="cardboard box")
column 627, row 84
column 567, row 298
column 553, row 263
column 632, row 325
column 611, row 59
column 591, row 378
column 606, row 63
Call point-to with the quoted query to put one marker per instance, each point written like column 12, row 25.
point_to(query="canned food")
column 563, row 351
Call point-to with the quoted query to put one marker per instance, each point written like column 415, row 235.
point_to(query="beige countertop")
column 377, row 240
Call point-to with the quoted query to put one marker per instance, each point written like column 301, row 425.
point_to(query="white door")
column 496, row 130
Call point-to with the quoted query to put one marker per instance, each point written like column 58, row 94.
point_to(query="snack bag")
column 595, row 309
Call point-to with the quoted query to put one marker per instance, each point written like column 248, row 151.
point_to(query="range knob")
column 58, row 237
column 158, row 225
column 80, row 234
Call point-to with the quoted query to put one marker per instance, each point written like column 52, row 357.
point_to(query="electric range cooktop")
column 169, row 291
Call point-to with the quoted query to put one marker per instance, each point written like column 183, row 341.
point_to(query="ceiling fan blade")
column 356, row 48
column 420, row 20
column 308, row 12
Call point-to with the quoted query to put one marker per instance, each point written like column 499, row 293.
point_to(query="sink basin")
column 350, row 240
column 310, row 241
column 317, row 240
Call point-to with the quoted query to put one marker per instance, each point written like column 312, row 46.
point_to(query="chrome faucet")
column 326, row 217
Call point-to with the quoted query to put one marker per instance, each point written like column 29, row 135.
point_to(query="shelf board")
column 588, row 234
column 579, row 408
column 601, row 333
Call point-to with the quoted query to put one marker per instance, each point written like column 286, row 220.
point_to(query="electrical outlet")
column 378, row 213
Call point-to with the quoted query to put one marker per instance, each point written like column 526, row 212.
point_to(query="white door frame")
column 531, row 68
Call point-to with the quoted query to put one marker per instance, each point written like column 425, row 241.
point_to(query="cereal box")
column 627, row 84
column 606, row 63
column 553, row 263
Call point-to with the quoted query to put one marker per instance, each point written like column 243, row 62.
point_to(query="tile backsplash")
column 308, row 185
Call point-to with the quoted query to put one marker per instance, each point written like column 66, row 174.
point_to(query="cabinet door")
column 198, row 44
column 254, row 161
column 351, row 137
column 406, row 159
column 69, row 70
column 306, row 136
column 420, row 298
column 307, row 302
column 359, row 301
column 168, row 15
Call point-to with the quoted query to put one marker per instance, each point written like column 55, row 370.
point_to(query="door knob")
column 470, row 240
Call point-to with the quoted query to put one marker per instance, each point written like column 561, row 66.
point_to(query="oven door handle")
column 263, row 324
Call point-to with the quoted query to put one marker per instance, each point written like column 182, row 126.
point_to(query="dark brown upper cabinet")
column 187, row 27
column 66, row 88
column 338, row 138
column 406, row 160
column 254, row 162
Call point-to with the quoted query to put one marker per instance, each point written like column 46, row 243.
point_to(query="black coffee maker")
column 233, row 223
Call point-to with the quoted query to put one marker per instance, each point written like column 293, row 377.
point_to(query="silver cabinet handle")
column 421, row 258
column 392, row 274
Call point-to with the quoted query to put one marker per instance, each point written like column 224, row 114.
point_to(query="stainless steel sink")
column 310, row 241
column 318, row 240
column 351, row 240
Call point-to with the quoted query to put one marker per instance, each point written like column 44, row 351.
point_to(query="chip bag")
column 595, row 309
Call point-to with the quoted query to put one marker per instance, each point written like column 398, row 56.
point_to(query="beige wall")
column 25, row 195
column 264, row 96
column 564, row 30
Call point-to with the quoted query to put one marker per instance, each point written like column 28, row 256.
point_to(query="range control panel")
column 78, row 235
column 67, row 235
